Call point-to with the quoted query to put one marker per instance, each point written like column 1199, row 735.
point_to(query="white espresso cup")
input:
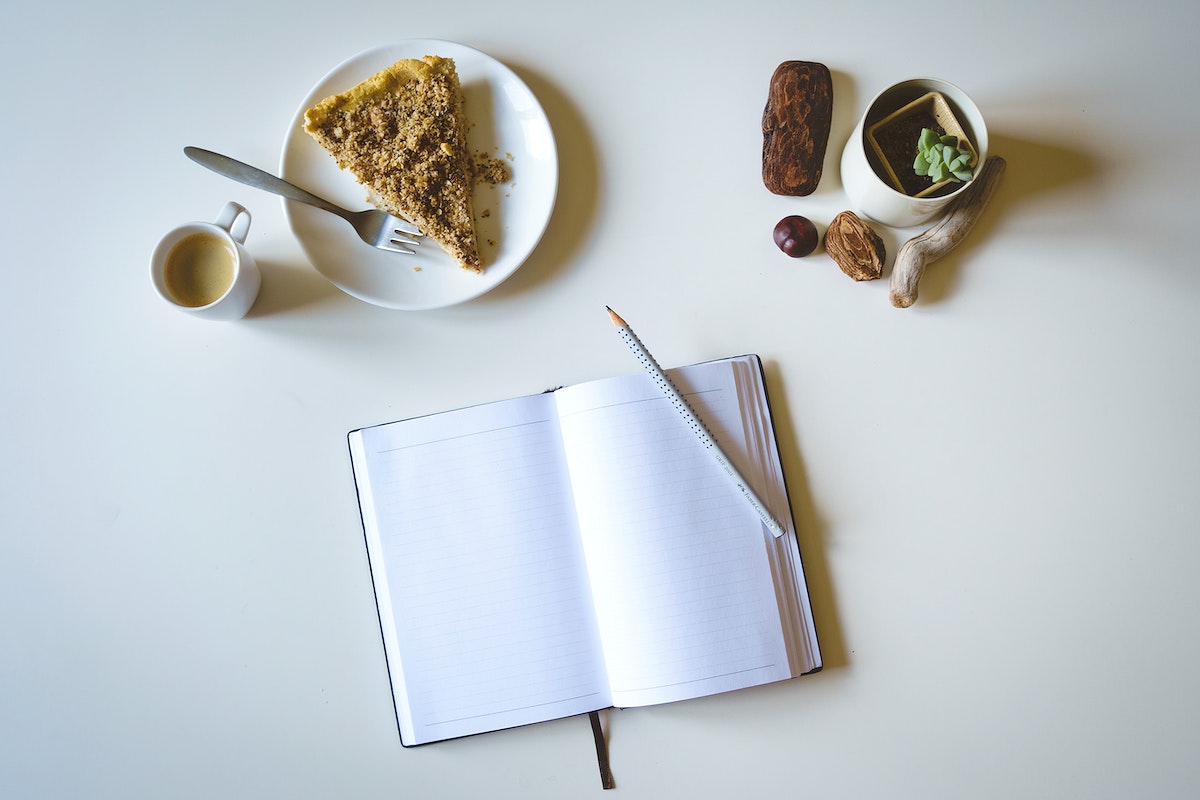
column 204, row 269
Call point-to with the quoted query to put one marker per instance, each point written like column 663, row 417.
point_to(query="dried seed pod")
column 855, row 246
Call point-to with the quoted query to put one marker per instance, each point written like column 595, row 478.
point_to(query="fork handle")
column 252, row 176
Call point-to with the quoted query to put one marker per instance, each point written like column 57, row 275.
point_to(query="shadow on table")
column 810, row 530
column 1035, row 170
column 287, row 287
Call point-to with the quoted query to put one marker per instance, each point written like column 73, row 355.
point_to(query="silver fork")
column 376, row 228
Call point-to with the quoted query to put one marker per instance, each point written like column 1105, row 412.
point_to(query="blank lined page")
column 484, row 602
column 680, row 575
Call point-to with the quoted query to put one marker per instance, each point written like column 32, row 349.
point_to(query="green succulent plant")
column 941, row 159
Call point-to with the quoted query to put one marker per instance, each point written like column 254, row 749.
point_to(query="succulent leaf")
column 941, row 158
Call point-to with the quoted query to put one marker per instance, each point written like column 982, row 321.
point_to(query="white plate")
column 505, row 120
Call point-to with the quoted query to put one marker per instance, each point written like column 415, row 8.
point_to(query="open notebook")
column 565, row 552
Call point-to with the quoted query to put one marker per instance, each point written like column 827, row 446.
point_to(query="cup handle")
column 235, row 219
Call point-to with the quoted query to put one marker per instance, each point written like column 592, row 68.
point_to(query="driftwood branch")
column 925, row 248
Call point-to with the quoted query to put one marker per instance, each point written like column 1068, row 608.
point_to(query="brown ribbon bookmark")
column 606, row 778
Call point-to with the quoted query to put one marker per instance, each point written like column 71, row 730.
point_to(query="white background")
column 996, row 488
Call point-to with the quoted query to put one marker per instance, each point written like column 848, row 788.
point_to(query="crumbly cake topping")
column 491, row 170
column 402, row 134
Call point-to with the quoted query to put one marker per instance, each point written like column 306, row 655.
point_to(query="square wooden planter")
column 894, row 138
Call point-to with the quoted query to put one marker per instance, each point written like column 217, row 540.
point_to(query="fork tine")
column 402, row 233
column 396, row 245
column 403, row 226
column 386, row 232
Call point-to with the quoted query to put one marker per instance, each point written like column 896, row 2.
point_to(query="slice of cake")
column 403, row 134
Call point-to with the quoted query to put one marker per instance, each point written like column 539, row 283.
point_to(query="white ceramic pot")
column 872, row 196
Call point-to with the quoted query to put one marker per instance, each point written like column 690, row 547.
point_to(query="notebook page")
column 681, row 582
column 475, row 556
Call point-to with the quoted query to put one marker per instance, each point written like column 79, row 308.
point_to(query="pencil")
column 694, row 422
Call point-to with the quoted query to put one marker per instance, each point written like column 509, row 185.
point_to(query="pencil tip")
column 620, row 323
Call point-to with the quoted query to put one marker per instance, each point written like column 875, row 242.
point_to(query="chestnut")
column 796, row 236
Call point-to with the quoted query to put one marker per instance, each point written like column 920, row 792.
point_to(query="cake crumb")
column 491, row 170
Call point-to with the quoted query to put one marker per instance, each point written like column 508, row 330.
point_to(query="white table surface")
column 996, row 488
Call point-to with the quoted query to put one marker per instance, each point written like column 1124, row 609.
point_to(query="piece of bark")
column 925, row 248
column 795, row 127
column 855, row 246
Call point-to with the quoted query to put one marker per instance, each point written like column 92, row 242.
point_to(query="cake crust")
column 402, row 134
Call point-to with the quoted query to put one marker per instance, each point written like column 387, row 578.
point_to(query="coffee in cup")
column 199, row 269
column 204, row 269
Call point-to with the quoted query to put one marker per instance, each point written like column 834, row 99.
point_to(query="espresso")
column 199, row 269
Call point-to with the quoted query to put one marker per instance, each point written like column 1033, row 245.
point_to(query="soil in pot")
column 898, row 141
